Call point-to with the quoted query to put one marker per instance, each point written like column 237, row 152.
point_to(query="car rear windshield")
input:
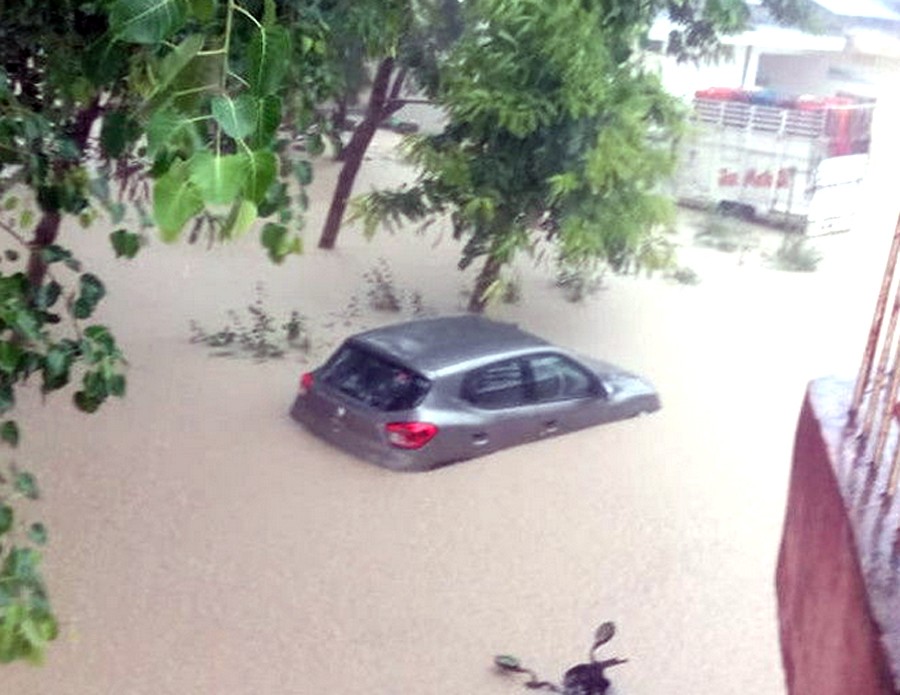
column 373, row 380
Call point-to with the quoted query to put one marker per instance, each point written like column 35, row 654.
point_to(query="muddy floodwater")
column 203, row 543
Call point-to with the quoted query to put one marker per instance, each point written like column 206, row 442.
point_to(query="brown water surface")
column 203, row 543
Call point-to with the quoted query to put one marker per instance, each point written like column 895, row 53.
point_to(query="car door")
column 497, row 397
column 565, row 395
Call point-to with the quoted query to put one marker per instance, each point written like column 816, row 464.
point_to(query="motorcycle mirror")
column 507, row 662
column 604, row 634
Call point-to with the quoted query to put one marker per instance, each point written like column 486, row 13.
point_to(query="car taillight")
column 410, row 435
column 306, row 383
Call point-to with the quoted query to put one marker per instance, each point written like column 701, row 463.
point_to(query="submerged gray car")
column 426, row 393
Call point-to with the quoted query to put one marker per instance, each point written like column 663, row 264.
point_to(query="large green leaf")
column 262, row 167
column 175, row 201
column 218, row 178
column 174, row 64
column 268, row 59
column 243, row 215
column 237, row 117
column 117, row 133
column 268, row 120
column 104, row 61
column 204, row 10
column 169, row 126
column 146, row 21
column 192, row 85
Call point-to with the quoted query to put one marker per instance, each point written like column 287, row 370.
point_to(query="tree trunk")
column 490, row 271
column 382, row 103
column 47, row 229
column 44, row 234
column 353, row 157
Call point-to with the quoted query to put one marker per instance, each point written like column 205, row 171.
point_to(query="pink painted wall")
column 829, row 640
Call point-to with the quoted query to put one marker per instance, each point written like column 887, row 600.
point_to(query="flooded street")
column 202, row 542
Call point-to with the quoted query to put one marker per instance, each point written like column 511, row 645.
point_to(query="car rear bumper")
column 341, row 437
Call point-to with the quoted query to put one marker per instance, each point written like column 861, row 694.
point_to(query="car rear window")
column 373, row 380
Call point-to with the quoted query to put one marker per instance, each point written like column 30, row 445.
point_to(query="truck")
column 793, row 162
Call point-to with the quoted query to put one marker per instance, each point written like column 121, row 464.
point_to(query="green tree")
column 404, row 40
column 185, row 98
column 557, row 132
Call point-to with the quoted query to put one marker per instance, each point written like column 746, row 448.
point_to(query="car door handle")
column 480, row 439
column 551, row 427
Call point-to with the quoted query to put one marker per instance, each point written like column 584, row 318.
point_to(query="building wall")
column 830, row 642
column 794, row 74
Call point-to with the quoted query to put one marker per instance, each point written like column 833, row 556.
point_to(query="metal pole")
column 865, row 369
column 895, row 474
column 887, row 414
column 881, row 372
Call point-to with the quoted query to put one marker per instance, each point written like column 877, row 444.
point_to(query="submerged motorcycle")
column 582, row 679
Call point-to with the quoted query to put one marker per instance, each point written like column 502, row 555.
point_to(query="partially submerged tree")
column 404, row 41
column 557, row 132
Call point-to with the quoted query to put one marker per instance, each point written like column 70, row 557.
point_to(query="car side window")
column 555, row 377
column 499, row 385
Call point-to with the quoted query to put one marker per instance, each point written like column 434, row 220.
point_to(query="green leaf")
column 116, row 385
column 278, row 242
column 315, row 144
column 218, row 178
column 103, row 61
column 175, row 201
column 86, row 403
column 91, row 291
column 125, row 243
column 237, row 117
column 26, row 484
column 56, row 367
column 204, row 10
column 270, row 13
column 6, row 518
column 268, row 60
column 118, row 131
column 303, row 171
column 169, row 126
column 9, row 433
column 268, row 120
column 7, row 398
column 173, row 65
column 262, row 168
column 57, row 254
column 37, row 533
column 146, row 21
column 10, row 357
column 11, row 203
column 100, row 335
column 242, row 216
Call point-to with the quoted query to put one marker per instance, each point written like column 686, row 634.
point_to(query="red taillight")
column 306, row 383
column 410, row 435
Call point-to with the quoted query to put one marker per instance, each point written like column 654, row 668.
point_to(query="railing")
column 871, row 443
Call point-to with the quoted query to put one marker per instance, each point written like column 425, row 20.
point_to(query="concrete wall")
column 830, row 643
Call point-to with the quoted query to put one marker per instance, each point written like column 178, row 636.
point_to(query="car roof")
column 431, row 345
